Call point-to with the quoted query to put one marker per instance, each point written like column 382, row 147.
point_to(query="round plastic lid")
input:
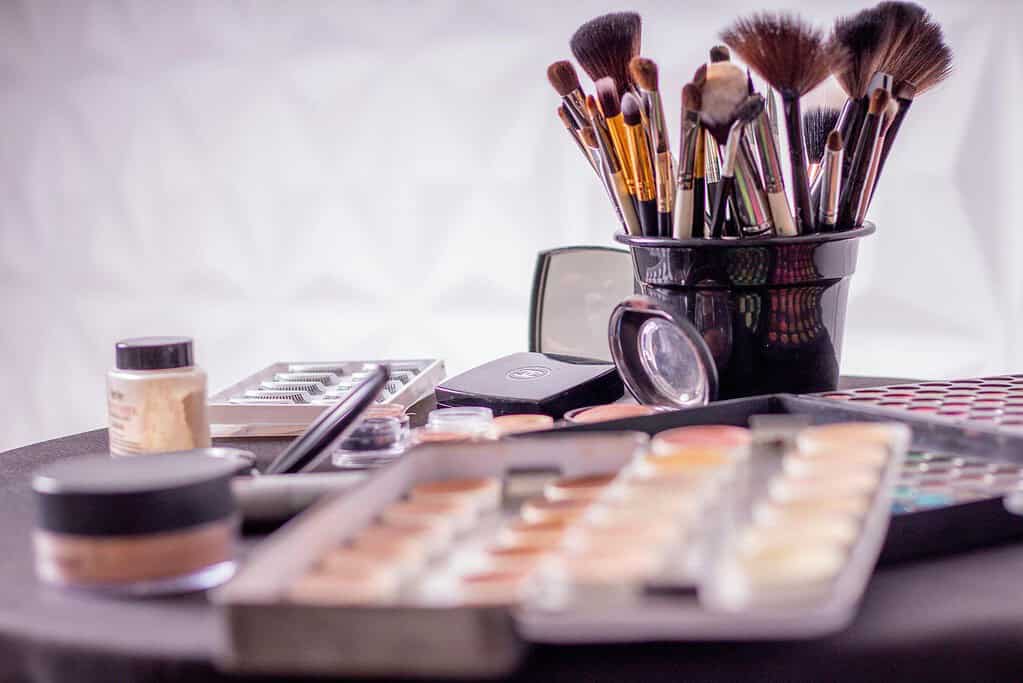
column 662, row 359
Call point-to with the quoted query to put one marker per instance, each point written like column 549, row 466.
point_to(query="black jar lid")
column 96, row 495
column 154, row 353
column 663, row 359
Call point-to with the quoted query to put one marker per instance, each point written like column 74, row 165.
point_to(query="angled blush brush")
column 793, row 58
column 604, row 46
column 866, row 148
column 690, row 139
column 565, row 81
column 612, row 164
column 642, row 167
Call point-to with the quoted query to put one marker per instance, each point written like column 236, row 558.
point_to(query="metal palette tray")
column 955, row 523
column 412, row 380
column 267, row 634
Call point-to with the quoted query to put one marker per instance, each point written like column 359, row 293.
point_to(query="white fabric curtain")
column 321, row 180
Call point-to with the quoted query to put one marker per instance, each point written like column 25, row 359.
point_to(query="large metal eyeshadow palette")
column 462, row 555
column 284, row 398
column 987, row 401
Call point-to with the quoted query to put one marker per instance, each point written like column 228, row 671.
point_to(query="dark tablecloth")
column 953, row 618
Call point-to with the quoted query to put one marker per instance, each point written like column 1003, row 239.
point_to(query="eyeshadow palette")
column 282, row 399
column 984, row 401
column 466, row 553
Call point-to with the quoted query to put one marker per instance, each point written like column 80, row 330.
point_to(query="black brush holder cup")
column 771, row 311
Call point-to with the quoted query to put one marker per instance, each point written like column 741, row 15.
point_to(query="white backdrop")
column 339, row 180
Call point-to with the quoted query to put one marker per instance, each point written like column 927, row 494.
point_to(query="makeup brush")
column 642, row 168
column 645, row 75
column 817, row 124
column 690, row 140
column 610, row 106
column 793, row 58
column 563, row 77
column 925, row 62
column 773, row 176
column 604, row 47
column 570, row 126
column 612, row 163
column 831, row 181
column 866, row 147
column 747, row 110
column 722, row 89
column 589, row 137
column 711, row 165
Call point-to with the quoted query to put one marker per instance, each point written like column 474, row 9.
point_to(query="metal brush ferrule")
column 731, row 149
column 642, row 167
column 711, row 158
column 687, row 159
column 620, row 141
column 767, row 151
column 576, row 105
column 754, row 214
column 831, row 186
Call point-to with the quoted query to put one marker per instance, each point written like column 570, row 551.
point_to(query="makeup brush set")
column 728, row 180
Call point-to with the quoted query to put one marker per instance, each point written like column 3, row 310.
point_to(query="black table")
column 955, row 618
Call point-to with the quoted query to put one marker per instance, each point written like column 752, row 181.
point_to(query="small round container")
column 156, row 397
column 474, row 421
column 141, row 526
column 375, row 442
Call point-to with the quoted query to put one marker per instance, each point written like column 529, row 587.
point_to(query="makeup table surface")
column 954, row 618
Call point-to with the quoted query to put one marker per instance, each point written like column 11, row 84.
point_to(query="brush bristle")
column 878, row 102
column 860, row 41
column 630, row 109
column 720, row 53
column 749, row 109
column 607, row 95
column 925, row 60
column 563, row 77
column 588, row 137
column 835, row 143
column 723, row 90
column 700, row 75
column 604, row 46
column 786, row 51
column 902, row 19
column 691, row 99
column 644, row 73
column 817, row 126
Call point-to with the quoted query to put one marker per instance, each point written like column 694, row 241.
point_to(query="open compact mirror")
column 663, row 360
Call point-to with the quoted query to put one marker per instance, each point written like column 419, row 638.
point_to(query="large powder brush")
column 604, row 47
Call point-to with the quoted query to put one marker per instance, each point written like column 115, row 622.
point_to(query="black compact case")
column 533, row 383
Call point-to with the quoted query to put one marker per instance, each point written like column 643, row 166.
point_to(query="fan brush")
column 793, row 57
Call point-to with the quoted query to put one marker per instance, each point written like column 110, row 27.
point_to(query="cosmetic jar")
column 375, row 442
column 156, row 397
column 137, row 526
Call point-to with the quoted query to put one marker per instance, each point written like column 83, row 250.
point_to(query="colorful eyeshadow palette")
column 463, row 555
column 284, row 398
column 987, row 401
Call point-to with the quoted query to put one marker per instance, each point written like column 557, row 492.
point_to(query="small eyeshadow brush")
column 690, row 141
column 831, row 181
column 565, row 81
column 866, row 148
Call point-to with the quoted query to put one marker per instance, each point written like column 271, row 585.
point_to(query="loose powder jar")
column 135, row 526
column 156, row 397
